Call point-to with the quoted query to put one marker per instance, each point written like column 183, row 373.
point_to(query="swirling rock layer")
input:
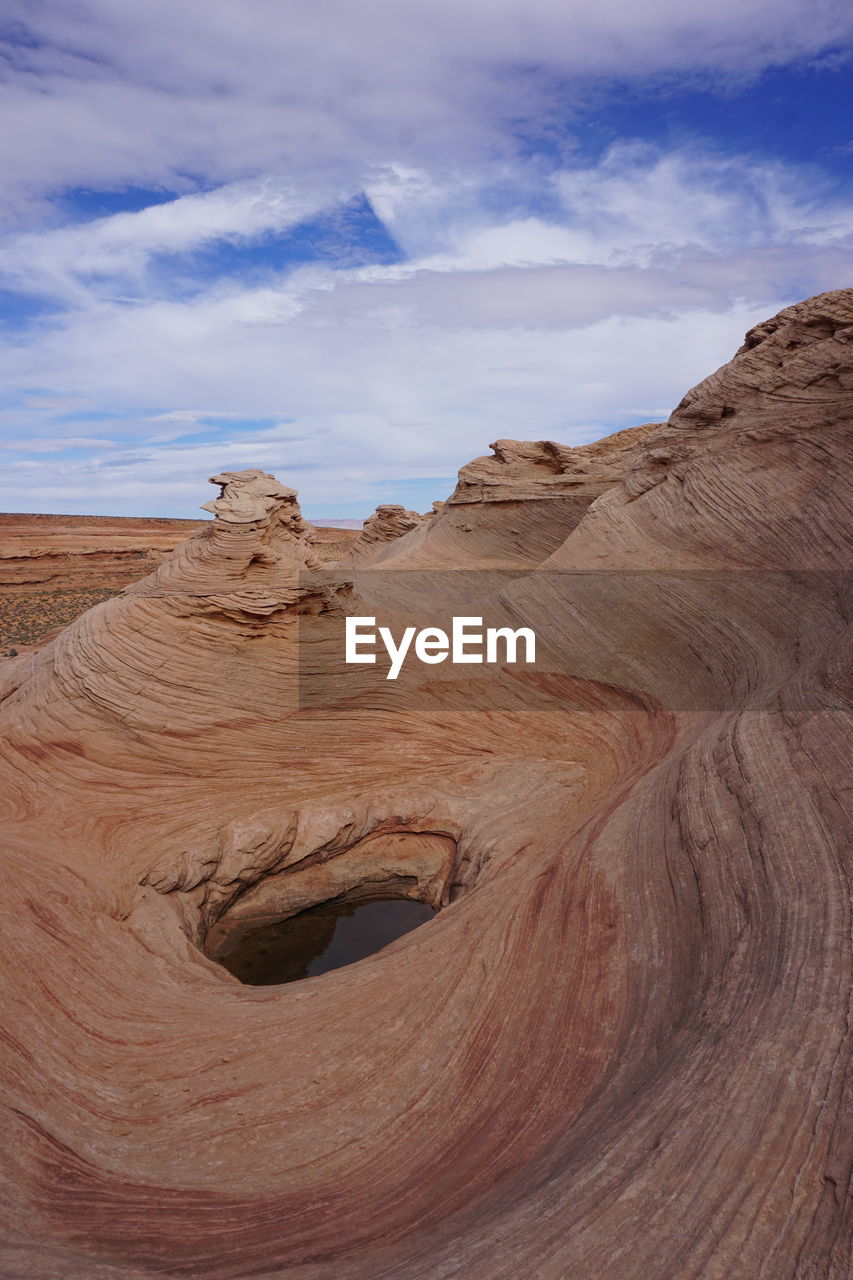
column 619, row 1049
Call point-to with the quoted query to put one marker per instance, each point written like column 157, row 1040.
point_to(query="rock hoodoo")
column 388, row 523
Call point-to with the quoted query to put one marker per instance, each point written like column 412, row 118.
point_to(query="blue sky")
column 353, row 242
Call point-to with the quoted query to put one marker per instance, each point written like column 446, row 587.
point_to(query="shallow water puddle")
column 326, row 937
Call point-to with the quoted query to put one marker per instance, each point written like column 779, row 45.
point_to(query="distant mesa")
column 54, row 567
column 334, row 522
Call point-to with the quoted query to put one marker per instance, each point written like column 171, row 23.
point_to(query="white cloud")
column 409, row 370
column 535, row 301
column 171, row 90
column 374, row 405
column 71, row 262
column 636, row 206
column 55, row 444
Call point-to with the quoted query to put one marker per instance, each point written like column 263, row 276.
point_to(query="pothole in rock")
column 325, row 937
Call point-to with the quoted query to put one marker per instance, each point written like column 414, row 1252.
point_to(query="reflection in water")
column 326, row 937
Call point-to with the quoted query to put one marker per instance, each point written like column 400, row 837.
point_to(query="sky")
column 352, row 242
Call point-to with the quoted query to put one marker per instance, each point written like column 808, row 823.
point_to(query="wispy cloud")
column 76, row 262
column 533, row 291
column 175, row 89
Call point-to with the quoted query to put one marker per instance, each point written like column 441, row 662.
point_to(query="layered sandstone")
column 511, row 509
column 620, row 1047
column 388, row 523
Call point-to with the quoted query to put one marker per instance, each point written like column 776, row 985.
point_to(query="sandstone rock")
column 53, row 568
column 619, row 1049
column 524, row 470
column 511, row 510
column 388, row 523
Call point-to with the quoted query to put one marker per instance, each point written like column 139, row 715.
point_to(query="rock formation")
column 509, row 510
column 620, row 1049
column 388, row 523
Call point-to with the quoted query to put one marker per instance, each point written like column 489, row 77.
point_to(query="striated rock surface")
column 753, row 462
column 621, row 1047
column 524, row 470
column 512, row 509
column 388, row 523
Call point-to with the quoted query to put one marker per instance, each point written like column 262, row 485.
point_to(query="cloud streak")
column 539, row 292
column 175, row 90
